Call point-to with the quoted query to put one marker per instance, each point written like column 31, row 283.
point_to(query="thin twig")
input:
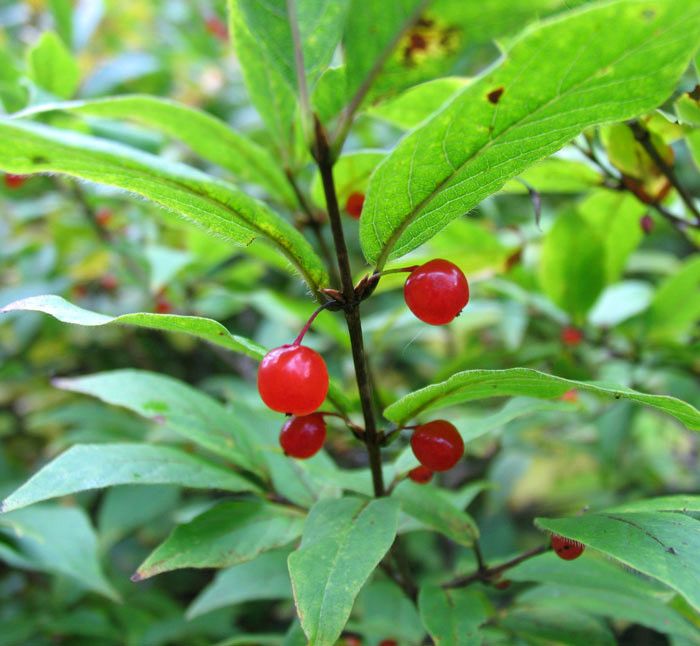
column 348, row 115
column 641, row 134
column 487, row 574
column 372, row 438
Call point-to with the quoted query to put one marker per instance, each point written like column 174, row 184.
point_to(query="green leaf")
column 233, row 532
column 664, row 503
column 665, row 319
column 344, row 540
column 214, row 205
column 95, row 466
column 426, row 504
column 265, row 577
column 58, row 540
column 663, row 545
column 556, row 175
column 202, row 328
column 471, row 385
column 453, row 617
column 52, row 66
column 210, row 138
column 416, row 104
column 587, row 67
column 572, row 265
column 179, row 407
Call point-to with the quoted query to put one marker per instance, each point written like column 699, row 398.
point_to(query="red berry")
column 103, row 217
column 216, row 27
column 293, row 379
column 436, row 292
column 388, row 642
column 571, row 336
column 570, row 396
column 14, row 181
column 566, row 548
column 163, row 305
column 109, row 283
column 437, row 445
column 420, row 474
column 354, row 205
column 503, row 584
column 302, row 437
column 647, row 223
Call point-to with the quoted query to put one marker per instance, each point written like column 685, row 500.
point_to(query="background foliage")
column 133, row 442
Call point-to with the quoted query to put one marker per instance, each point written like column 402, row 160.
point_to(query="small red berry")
column 388, row 642
column 566, row 548
column 570, row 396
column 163, row 305
column 351, row 640
column 217, row 28
column 103, row 217
column 503, row 584
column 436, row 292
column 302, row 437
column 354, row 205
column 571, row 336
column 437, row 445
column 14, row 181
column 109, row 282
column 647, row 223
column 293, row 379
column 420, row 474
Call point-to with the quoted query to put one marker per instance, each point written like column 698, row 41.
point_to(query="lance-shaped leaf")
column 212, row 204
column 180, row 407
column 482, row 384
column 663, row 545
column 202, row 328
column 209, row 137
column 343, row 542
column 233, row 532
column 590, row 66
column 94, row 466
column 453, row 616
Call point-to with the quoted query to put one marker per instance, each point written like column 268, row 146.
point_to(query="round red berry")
column 163, row 305
column 570, row 396
column 354, row 205
column 436, row 292
column 420, row 474
column 566, row 548
column 217, row 28
column 14, row 181
column 103, row 217
column 571, row 336
column 302, row 437
column 293, row 379
column 437, row 445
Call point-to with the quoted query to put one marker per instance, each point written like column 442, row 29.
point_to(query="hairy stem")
column 324, row 159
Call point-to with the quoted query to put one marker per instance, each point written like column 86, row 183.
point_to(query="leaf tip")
column 138, row 576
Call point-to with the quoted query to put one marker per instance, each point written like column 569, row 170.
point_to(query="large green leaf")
column 663, row 545
column 202, row 328
column 94, row 466
column 453, row 617
column 176, row 405
column 233, row 532
column 587, row 67
column 214, row 205
column 481, row 384
column 58, row 540
column 265, row 577
column 343, row 542
column 206, row 135
column 427, row 505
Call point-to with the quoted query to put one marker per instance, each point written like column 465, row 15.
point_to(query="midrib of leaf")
column 334, row 563
column 492, row 143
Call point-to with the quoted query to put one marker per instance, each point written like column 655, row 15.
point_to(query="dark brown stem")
column 322, row 153
column 641, row 134
column 488, row 574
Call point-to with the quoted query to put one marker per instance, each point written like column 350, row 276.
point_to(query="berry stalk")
column 323, row 155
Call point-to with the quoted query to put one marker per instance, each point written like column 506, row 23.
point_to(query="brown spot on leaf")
column 494, row 96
